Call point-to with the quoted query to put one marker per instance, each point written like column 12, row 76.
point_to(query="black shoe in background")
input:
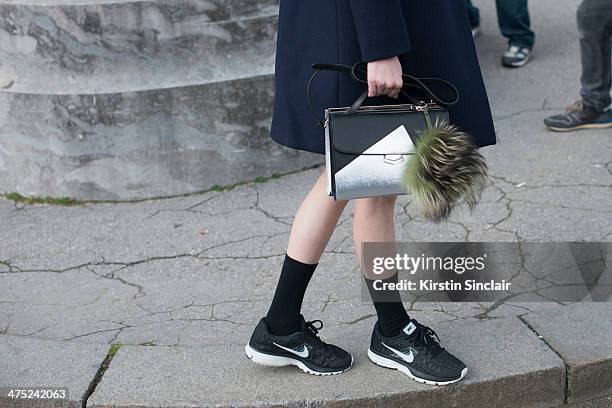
column 303, row 349
column 577, row 116
column 516, row 56
column 416, row 352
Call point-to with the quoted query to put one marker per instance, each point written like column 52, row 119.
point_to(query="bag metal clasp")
column 393, row 159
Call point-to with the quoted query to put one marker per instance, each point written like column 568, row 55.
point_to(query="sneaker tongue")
column 410, row 328
column 302, row 323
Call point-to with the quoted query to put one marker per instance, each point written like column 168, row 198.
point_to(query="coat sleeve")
column 381, row 28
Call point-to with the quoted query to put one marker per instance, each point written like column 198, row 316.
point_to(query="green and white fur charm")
column 445, row 169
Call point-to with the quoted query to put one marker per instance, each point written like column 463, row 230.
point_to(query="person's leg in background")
column 595, row 33
column 283, row 337
column 474, row 17
column 515, row 25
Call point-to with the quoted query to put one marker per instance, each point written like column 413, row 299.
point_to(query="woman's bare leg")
column 375, row 222
column 314, row 223
column 283, row 335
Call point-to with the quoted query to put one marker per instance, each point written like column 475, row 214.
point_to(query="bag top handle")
column 358, row 73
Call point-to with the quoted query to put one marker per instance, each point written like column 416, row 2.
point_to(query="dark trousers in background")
column 513, row 18
column 595, row 31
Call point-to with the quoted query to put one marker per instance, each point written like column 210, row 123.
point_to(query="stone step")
column 567, row 361
column 133, row 145
column 172, row 10
column 582, row 335
column 223, row 376
column 115, row 47
column 48, row 364
column 137, row 99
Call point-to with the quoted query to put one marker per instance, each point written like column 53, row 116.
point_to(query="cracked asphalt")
column 199, row 270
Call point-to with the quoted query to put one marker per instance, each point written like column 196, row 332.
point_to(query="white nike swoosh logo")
column 409, row 358
column 303, row 353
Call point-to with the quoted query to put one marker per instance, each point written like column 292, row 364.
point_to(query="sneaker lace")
column 314, row 326
column 312, row 329
column 428, row 338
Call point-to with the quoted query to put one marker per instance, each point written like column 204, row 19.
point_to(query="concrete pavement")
column 180, row 282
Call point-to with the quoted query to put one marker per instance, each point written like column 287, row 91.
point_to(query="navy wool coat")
column 432, row 38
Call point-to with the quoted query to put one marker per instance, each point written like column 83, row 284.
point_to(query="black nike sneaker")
column 303, row 349
column 416, row 352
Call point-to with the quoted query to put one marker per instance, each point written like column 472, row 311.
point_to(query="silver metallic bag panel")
column 372, row 176
column 378, row 168
column 375, row 173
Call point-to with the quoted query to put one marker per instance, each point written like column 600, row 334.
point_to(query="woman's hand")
column 385, row 77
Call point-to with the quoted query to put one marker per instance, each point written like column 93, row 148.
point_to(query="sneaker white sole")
column 579, row 127
column 388, row 363
column 518, row 64
column 278, row 361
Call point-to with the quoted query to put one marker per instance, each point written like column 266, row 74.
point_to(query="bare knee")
column 376, row 204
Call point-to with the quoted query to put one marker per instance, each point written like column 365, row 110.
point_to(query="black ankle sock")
column 284, row 314
column 392, row 316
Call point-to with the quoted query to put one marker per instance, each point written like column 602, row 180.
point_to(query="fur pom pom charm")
column 445, row 168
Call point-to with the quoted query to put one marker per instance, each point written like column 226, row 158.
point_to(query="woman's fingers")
column 377, row 88
column 372, row 89
column 397, row 87
column 385, row 78
column 389, row 88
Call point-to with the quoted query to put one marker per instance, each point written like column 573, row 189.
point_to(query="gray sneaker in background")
column 577, row 116
column 516, row 56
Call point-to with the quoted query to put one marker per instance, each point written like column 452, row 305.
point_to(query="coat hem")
column 295, row 147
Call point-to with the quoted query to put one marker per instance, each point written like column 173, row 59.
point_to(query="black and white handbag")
column 367, row 147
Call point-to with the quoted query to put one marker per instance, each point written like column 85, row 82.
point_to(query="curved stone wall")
column 135, row 99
